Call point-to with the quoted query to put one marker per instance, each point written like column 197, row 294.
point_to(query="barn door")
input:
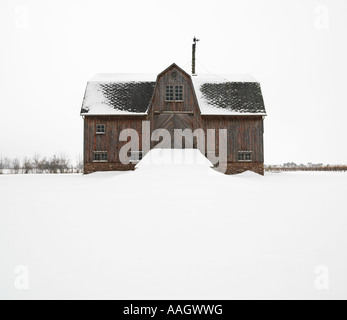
column 172, row 121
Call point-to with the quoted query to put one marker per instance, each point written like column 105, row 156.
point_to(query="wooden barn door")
column 172, row 121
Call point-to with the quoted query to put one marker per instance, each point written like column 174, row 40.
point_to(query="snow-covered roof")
column 227, row 94
column 131, row 94
column 118, row 94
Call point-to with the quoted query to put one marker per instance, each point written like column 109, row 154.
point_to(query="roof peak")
column 148, row 77
column 152, row 77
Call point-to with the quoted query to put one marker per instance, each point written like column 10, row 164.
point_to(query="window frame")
column 96, row 128
column 174, row 86
column 245, row 153
column 182, row 93
column 166, row 93
column 101, row 153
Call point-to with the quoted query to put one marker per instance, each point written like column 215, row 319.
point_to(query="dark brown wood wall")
column 188, row 105
column 110, row 141
column 244, row 134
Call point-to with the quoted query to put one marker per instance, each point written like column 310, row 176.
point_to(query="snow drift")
column 174, row 157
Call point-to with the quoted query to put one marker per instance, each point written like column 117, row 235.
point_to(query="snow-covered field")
column 173, row 232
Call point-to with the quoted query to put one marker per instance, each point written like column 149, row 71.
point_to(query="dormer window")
column 174, row 93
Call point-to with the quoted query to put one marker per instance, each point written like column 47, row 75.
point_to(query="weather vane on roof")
column 195, row 40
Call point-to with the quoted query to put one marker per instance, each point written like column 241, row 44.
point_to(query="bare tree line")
column 336, row 168
column 39, row 165
column 62, row 164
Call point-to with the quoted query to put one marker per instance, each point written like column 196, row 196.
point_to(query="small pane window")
column 100, row 156
column 100, row 129
column 179, row 93
column 169, row 93
column 245, row 156
column 174, row 93
column 248, row 157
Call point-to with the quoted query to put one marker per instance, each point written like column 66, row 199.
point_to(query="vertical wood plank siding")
column 244, row 134
column 189, row 102
column 110, row 140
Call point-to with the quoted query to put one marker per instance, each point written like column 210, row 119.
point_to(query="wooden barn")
column 173, row 100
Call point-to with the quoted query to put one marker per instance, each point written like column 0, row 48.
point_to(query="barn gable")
column 174, row 77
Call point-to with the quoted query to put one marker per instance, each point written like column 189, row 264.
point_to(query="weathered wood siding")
column 188, row 105
column 171, row 122
column 110, row 141
column 174, row 115
column 244, row 134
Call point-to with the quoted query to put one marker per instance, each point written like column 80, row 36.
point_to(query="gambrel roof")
column 131, row 94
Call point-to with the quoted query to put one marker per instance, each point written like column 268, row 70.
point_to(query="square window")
column 100, row 129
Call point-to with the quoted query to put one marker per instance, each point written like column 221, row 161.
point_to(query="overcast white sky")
column 296, row 49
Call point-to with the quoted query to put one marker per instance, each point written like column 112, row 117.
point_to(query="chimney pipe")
column 195, row 40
